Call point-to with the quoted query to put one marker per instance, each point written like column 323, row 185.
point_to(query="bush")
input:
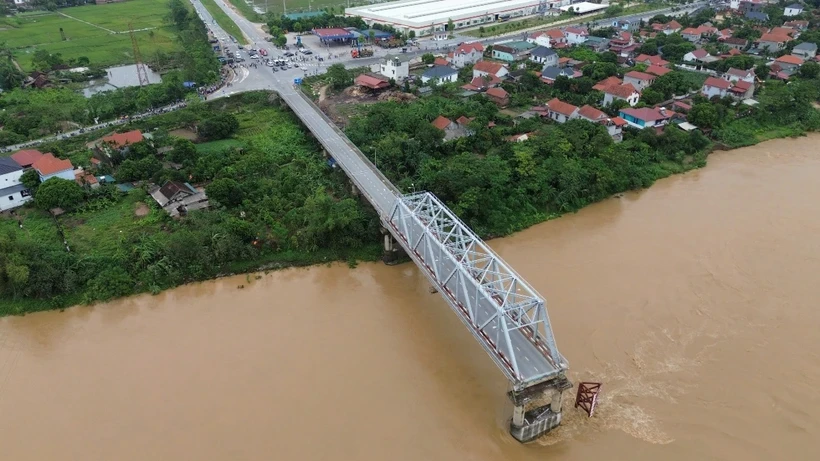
column 56, row 192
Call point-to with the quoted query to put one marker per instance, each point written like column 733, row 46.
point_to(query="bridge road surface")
column 532, row 363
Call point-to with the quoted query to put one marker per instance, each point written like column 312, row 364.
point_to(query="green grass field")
column 223, row 20
column 298, row 6
column 27, row 33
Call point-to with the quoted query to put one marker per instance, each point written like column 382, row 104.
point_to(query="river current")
column 695, row 302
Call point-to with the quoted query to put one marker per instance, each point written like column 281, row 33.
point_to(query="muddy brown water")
column 696, row 302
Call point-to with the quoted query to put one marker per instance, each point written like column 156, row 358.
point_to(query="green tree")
column 225, row 191
column 281, row 41
column 428, row 58
column 59, row 193
column 704, row 115
column 184, row 151
column 219, row 126
column 809, row 70
column 339, row 77
column 31, row 179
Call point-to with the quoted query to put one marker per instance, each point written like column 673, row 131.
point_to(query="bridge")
column 506, row 315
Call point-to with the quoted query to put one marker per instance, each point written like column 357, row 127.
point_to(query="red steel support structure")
column 587, row 397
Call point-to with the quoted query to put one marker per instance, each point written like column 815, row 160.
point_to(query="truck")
column 362, row 53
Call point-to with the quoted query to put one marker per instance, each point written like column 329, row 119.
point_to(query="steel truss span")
column 506, row 315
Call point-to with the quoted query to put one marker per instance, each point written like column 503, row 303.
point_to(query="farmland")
column 299, row 6
column 98, row 32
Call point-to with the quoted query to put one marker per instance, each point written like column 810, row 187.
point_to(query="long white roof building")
column 428, row 16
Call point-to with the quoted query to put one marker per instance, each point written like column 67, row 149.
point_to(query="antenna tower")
column 142, row 73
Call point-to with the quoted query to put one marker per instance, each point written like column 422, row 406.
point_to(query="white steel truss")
column 506, row 315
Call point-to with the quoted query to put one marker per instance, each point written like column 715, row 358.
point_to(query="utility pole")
column 142, row 73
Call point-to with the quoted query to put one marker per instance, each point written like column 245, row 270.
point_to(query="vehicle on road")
column 288, row 54
column 296, row 64
column 307, row 52
column 263, row 51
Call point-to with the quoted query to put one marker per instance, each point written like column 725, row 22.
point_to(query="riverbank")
column 675, row 297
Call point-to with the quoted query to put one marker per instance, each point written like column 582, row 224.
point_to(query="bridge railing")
column 505, row 314
column 347, row 141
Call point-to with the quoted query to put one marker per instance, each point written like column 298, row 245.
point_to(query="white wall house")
column 12, row 193
column 439, row 74
column 466, row 54
column 394, row 68
column 714, row 86
column 793, row 10
column 576, row 35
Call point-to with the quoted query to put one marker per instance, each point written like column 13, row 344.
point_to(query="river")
column 695, row 302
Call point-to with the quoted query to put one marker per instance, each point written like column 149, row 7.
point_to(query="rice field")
column 98, row 32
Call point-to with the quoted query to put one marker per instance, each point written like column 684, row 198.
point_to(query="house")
column 561, row 111
column 714, row 86
column 439, row 61
column 651, row 60
column 789, row 63
column 606, row 83
column 757, row 17
column 576, row 35
column 667, row 28
column 793, row 10
column 625, row 24
column 659, row 71
column 555, row 37
column 735, row 75
column 497, row 95
column 482, row 68
column 550, row 74
column 466, row 54
column 12, row 192
column 544, row 55
column 439, row 74
column 623, row 45
column 639, row 80
column 86, row 179
column 746, row 6
column 692, row 34
column 793, row 33
column 542, row 38
column 394, row 68
column 614, row 126
column 372, row 82
column 742, row 90
column 797, row 25
column 773, row 42
column 120, row 141
column 624, row 91
column 724, row 34
column 597, row 44
column 698, row 58
column 805, row 50
column 512, row 51
column 736, row 43
column 645, row 117
column 464, row 122
column 48, row 166
column 178, row 198
column 482, row 83
column 26, row 158
column 452, row 130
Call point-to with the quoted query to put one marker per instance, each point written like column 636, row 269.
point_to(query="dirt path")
column 323, row 93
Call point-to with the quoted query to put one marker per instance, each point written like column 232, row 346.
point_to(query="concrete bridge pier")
column 537, row 409
column 392, row 250
column 354, row 190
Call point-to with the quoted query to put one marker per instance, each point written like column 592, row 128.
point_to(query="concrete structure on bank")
column 431, row 16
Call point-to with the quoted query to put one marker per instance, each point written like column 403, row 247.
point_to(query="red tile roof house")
column 482, row 68
column 497, row 95
column 118, row 142
column 482, row 83
column 451, row 129
column 441, row 62
column 734, row 75
column 561, row 111
column 651, row 60
column 789, row 63
column 614, row 125
column 714, row 86
column 371, row 82
column 668, row 28
column 48, row 166
column 646, row 117
column 742, row 90
column 26, row 158
column 659, row 71
column 639, row 80
column 625, row 91
column 773, row 42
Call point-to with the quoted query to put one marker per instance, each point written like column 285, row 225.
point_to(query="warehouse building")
column 430, row 17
